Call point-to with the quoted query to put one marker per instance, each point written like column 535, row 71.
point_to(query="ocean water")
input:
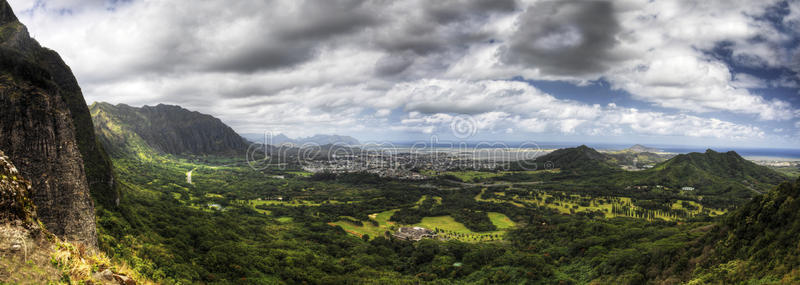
column 747, row 152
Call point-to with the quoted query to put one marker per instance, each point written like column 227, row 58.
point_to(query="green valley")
column 285, row 225
column 400, row 142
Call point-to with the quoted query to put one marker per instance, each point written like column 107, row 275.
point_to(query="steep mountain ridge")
column 164, row 128
column 710, row 167
column 46, row 129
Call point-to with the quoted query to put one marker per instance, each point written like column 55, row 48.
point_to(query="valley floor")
column 215, row 220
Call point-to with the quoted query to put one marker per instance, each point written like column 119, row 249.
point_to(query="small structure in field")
column 687, row 188
column 414, row 233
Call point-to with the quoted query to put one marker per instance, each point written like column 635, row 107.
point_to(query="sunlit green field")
column 446, row 227
column 573, row 203
column 368, row 228
column 501, row 221
column 475, row 176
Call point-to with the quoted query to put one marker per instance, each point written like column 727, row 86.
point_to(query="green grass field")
column 383, row 217
column 300, row 173
column 448, row 228
column 359, row 231
column 474, row 176
column 383, row 225
column 501, row 221
column 437, row 200
column 572, row 204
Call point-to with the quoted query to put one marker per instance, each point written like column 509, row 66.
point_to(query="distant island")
column 641, row 148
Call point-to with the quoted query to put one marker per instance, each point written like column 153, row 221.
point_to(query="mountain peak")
column 580, row 157
column 713, row 169
column 711, row 153
column 7, row 14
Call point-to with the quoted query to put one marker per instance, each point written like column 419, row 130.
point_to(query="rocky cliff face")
column 45, row 128
column 164, row 128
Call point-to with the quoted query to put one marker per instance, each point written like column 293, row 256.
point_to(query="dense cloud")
column 289, row 35
column 565, row 37
column 364, row 66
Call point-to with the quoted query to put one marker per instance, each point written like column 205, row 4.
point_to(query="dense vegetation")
column 759, row 241
column 576, row 224
column 166, row 229
column 721, row 180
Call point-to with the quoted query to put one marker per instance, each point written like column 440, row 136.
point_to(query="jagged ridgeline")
column 164, row 129
column 45, row 127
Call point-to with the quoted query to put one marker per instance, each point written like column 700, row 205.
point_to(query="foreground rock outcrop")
column 15, row 196
column 46, row 129
column 29, row 254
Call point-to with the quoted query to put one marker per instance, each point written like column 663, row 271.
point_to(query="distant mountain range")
column 709, row 173
column 163, row 128
column 319, row 139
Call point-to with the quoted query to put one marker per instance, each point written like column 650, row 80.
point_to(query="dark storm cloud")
column 264, row 57
column 564, row 37
column 444, row 12
column 284, row 44
column 325, row 19
column 441, row 26
column 393, row 64
column 795, row 62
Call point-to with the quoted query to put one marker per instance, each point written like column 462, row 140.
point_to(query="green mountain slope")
column 757, row 243
column 638, row 159
column 164, row 129
column 576, row 159
column 712, row 173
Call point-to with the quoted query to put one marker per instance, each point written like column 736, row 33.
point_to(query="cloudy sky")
column 670, row 72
